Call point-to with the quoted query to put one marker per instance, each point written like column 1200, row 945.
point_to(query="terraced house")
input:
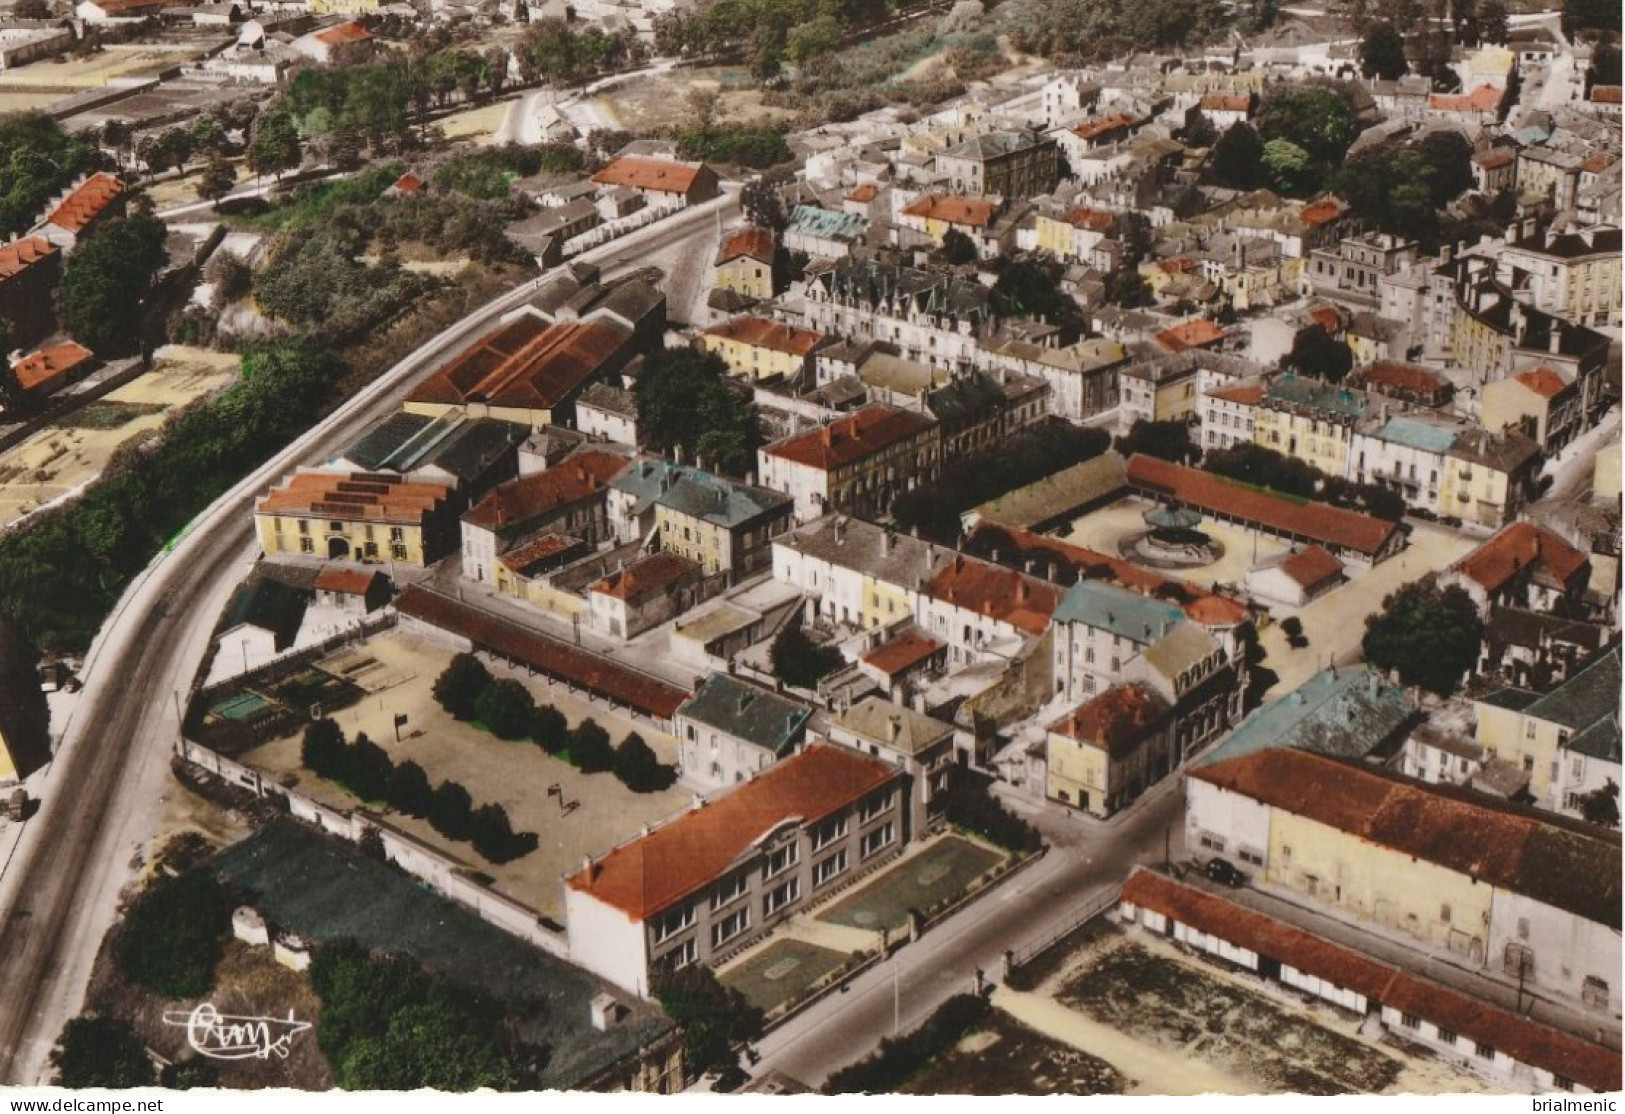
column 858, row 463
column 731, row 730
column 756, row 348
column 715, row 878
column 932, row 318
column 357, row 517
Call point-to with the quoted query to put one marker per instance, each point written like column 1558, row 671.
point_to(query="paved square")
column 781, row 971
column 918, row 882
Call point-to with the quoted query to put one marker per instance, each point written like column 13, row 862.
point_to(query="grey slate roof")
column 1341, row 713
column 746, row 711
column 269, row 605
column 695, row 493
column 1588, row 704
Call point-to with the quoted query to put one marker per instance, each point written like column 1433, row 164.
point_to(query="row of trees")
column 365, row 769
column 767, row 33
column 934, row 509
column 1096, row 30
column 1261, row 467
column 37, row 160
column 467, row 691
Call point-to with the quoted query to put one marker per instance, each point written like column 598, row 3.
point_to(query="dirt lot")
column 1005, row 1057
column 62, row 457
column 97, row 69
column 661, row 101
column 477, row 123
column 1184, row 1009
column 516, row 775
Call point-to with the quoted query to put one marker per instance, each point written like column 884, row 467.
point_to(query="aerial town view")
column 811, row 547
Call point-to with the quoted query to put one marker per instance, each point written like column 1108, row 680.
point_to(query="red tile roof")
column 1528, row 1042
column 864, row 193
column 87, row 202
column 526, row 364
column 1323, row 211
column 1223, row 102
column 657, row 175
column 1096, row 220
column 1597, row 163
column 952, row 209
column 1564, row 864
column 585, row 475
column 1115, row 721
column 645, row 577
column 47, row 369
column 1327, row 318
column 655, row 872
column 344, row 34
column 346, row 581
column 1204, row 607
column 1517, row 548
column 1025, row 602
column 1099, row 126
column 582, row 668
column 1605, row 94
column 1486, row 98
column 408, row 183
column 1404, row 377
column 759, row 332
column 524, row 556
column 1543, row 381
column 355, row 497
column 1312, row 567
column 1176, row 267
column 1244, row 394
column 1198, row 332
column 15, row 258
column 749, row 242
column 1208, row 492
column 861, row 434
column 1494, row 160
column 902, row 654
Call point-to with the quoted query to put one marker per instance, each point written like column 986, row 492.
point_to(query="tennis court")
column 924, row 881
column 240, row 706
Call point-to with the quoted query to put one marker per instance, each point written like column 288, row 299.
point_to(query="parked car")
column 1224, row 872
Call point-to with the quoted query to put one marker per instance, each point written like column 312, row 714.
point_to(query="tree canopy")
column 460, row 684
column 684, row 399
column 1431, row 637
column 1382, row 52
column 1237, row 161
column 714, row 1018
column 107, row 281
column 172, row 936
column 1315, row 352
column 1314, row 120
column 96, row 1051
column 37, row 160
column 799, row 661
column 1169, row 440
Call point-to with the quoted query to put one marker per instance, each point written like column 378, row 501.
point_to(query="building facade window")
column 827, row 869
column 730, row 926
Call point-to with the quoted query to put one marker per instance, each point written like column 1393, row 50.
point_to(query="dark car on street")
column 1224, row 872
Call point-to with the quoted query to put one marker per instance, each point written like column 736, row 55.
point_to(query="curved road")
column 104, row 791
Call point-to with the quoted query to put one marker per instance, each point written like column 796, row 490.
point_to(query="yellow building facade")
column 1319, row 442
column 1074, row 771
column 1374, row 883
column 1477, row 345
column 338, row 517
column 1474, row 492
column 755, row 348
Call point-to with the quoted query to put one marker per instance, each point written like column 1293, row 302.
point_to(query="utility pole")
column 896, row 1001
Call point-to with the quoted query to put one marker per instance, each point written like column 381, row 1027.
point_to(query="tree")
column 460, row 684
column 101, row 1052
column 1601, row 805
column 1314, row 352
column 957, row 249
column 702, row 106
column 409, row 791
column 506, row 708
column 107, row 281
column 1033, row 288
column 275, row 146
column 323, row 751
column 1199, row 130
column 763, row 202
column 1430, row 637
column 1605, row 66
column 16, row 398
column 549, row 729
column 368, row 769
column 492, row 834
column 217, row 179
column 1290, row 169
column 590, row 749
column 714, row 1018
column 639, row 769
column 1382, row 52
column 451, row 810
column 1169, row 440
column 1310, row 117
column 1492, row 22
column 31, row 9
column 172, row 935
column 1589, row 15
column 1237, row 161
column 799, row 661
column 194, row 1072
column 684, row 400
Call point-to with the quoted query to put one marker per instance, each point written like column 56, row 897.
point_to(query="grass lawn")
column 936, row 875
